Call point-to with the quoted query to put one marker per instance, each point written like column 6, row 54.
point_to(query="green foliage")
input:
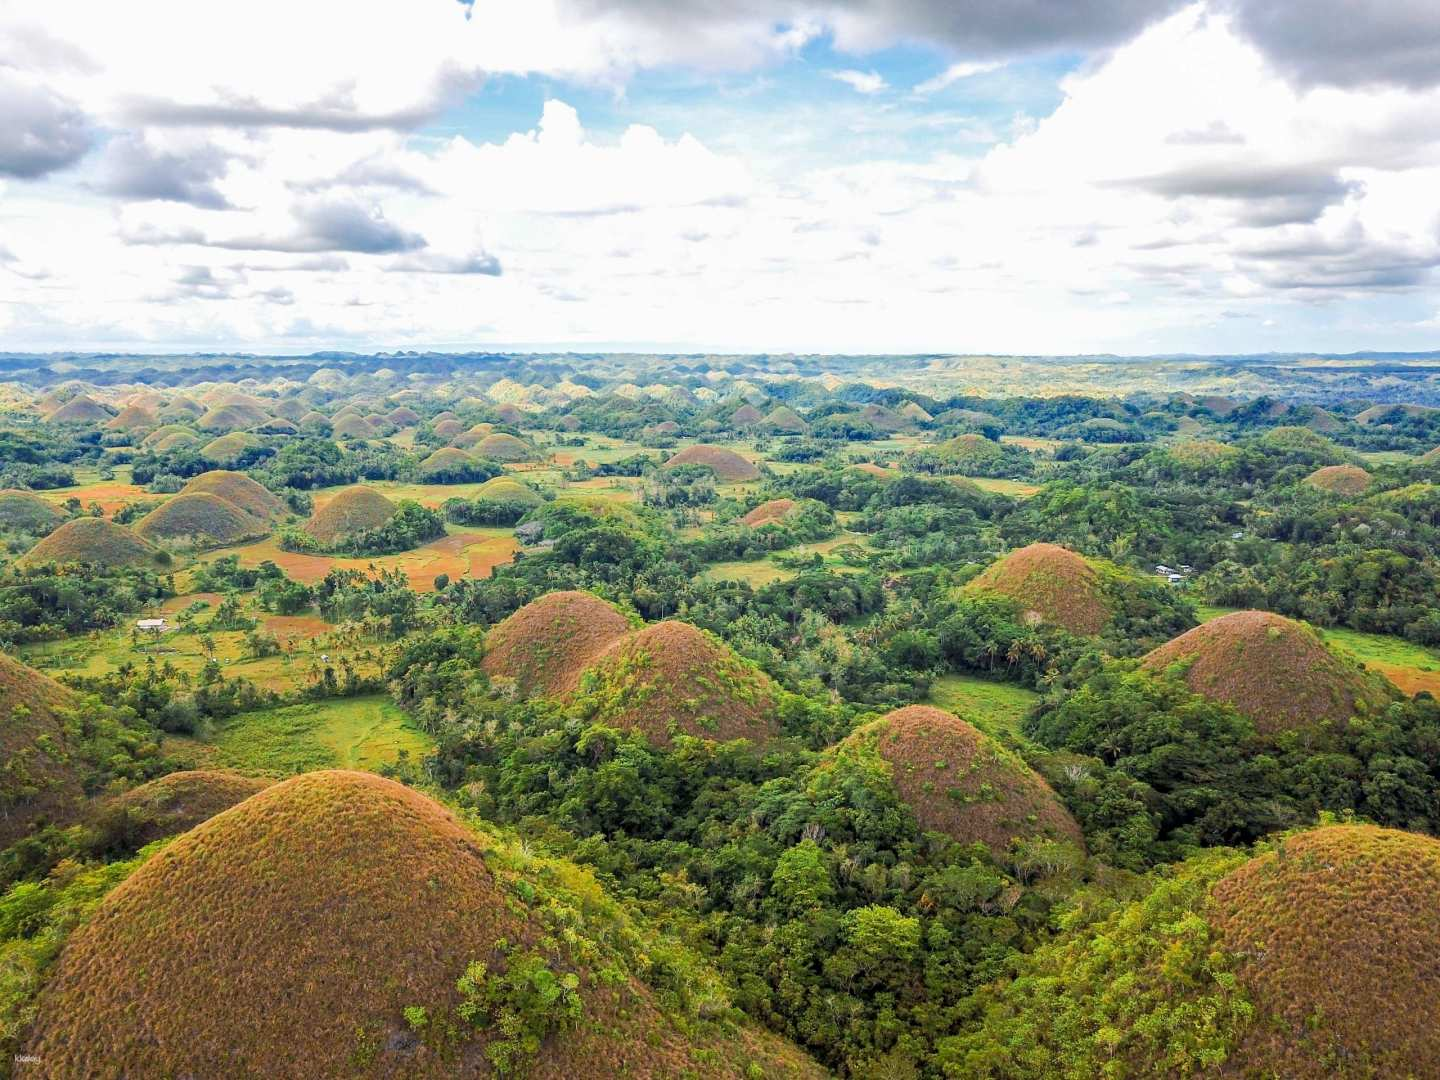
column 1144, row 991
column 523, row 1003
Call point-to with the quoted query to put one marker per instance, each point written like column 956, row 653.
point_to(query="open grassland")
column 348, row 733
column 110, row 494
column 757, row 573
column 304, row 639
column 466, row 552
column 1016, row 489
column 995, row 708
column 1412, row 668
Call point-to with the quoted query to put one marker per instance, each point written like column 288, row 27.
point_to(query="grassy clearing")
column 995, row 708
column 347, row 733
column 756, row 572
column 303, row 639
column 1016, row 489
column 465, row 552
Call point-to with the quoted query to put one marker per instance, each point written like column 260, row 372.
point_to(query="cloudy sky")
column 1017, row 176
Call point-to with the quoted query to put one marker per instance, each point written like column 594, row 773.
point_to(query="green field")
column 996, row 708
column 347, row 733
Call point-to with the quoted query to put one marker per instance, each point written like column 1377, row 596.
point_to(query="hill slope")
column 959, row 782
column 92, row 540
column 1052, row 584
column 37, row 782
column 1273, row 669
column 199, row 518
column 673, row 678
column 548, row 643
column 288, row 935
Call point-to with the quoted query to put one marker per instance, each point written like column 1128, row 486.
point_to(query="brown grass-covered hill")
column 547, row 645
column 235, row 417
column 37, row 782
column 1276, row 671
column 133, row 418
column 229, row 449
column 162, row 432
column 199, row 519
column 725, row 464
column 1340, row 479
column 1052, row 584
column 24, row 511
column 785, row 420
column 239, row 490
column 351, row 511
column 174, row 804
column 1339, row 950
column 287, row 936
column 672, row 678
column 503, row 447
column 769, row 513
column 969, row 451
column 1389, row 414
column 1203, row 453
column 81, row 409
column 93, row 540
column 351, row 427
column 446, row 460
column 175, row 440
column 959, row 782
column 447, row 428
column 746, row 416
column 182, row 408
column 403, row 417
column 508, row 489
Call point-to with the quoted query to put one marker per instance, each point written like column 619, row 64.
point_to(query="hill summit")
column 1275, row 670
column 1052, row 584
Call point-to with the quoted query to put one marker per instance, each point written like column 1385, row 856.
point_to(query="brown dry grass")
column 92, row 540
column 37, row 782
column 1339, row 945
column 234, row 417
column 178, row 802
column 286, row 935
column 959, row 782
column 726, row 464
column 769, row 513
column 547, row 645
column 1052, row 584
column 1340, row 479
column 80, row 410
column 670, row 678
column 502, row 447
column 461, row 554
column 351, row 511
column 132, row 418
column 238, row 489
column 202, row 519
column 227, row 449
column 28, row 511
column 1273, row 669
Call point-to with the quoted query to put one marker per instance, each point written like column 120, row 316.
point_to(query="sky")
column 843, row 176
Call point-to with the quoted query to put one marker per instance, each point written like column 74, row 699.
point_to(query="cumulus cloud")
column 332, row 225
column 42, row 132
column 134, row 168
column 1352, row 43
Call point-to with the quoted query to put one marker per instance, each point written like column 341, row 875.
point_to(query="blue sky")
column 1103, row 176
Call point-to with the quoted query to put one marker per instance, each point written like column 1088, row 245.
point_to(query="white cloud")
column 862, row 82
column 955, row 73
